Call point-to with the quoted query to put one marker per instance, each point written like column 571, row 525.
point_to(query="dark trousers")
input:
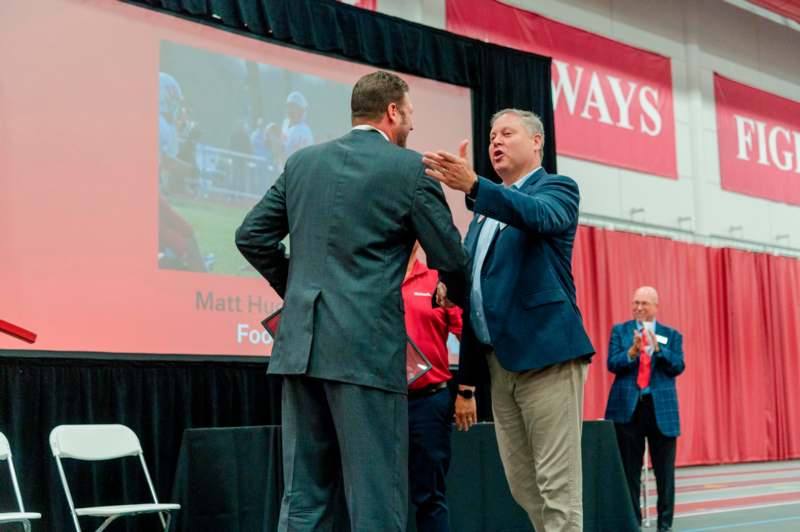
column 334, row 434
column 630, row 437
column 429, row 426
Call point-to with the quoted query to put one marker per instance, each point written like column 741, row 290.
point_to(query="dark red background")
column 740, row 321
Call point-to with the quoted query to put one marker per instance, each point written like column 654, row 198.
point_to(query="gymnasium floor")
column 762, row 497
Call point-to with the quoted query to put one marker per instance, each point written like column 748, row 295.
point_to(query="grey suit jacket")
column 354, row 207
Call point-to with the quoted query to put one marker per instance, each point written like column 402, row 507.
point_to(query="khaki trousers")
column 538, row 418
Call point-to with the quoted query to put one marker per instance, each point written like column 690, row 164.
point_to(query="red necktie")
column 643, row 379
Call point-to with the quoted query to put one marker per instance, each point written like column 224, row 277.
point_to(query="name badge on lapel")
column 661, row 339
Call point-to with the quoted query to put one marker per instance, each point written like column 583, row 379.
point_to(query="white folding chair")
column 104, row 442
column 21, row 516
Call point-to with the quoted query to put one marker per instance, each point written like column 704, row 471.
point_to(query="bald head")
column 645, row 303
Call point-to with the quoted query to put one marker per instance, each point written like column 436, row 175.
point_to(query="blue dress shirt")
column 485, row 237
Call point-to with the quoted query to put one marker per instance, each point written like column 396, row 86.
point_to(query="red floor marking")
column 736, row 473
column 711, row 486
column 688, row 507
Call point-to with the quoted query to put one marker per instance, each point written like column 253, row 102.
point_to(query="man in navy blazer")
column 522, row 318
column 646, row 356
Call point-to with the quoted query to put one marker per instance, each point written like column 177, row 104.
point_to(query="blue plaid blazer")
column 667, row 364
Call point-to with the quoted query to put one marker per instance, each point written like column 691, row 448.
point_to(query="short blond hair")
column 531, row 121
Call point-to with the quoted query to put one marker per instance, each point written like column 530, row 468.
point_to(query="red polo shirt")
column 429, row 327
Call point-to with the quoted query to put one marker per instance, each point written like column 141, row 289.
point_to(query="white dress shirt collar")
column 522, row 180
column 367, row 127
column 649, row 325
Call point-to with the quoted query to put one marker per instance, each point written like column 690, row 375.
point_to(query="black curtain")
column 160, row 398
column 157, row 399
column 515, row 79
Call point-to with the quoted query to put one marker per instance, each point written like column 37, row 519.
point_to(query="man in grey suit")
column 354, row 207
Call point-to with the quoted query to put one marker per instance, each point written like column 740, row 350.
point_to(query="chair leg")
column 106, row 523
column 168, row 524
column 27, row 526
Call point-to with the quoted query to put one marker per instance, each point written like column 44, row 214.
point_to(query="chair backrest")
column 5, row 448
column 5, row 454
column 94, row 442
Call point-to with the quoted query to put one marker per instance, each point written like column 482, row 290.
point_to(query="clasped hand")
column 441, row 296
column 636, row 348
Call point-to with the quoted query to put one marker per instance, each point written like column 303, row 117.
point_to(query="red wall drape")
column 739, row 313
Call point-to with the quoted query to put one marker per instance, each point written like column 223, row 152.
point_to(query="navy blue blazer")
column 526, row 279
column 666, row 365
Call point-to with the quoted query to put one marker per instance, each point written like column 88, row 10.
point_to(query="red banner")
column 785, row 8
column 364, row 4
column 759, row 142
column 613, row 102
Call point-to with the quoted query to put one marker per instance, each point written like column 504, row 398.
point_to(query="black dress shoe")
column 665, row 529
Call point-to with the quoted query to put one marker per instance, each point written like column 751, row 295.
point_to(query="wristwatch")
column 473, row 191
column 466, row 394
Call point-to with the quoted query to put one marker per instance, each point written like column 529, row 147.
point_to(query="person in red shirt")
column 430, row 406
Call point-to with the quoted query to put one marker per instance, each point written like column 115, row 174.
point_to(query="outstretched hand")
column 453, row 171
